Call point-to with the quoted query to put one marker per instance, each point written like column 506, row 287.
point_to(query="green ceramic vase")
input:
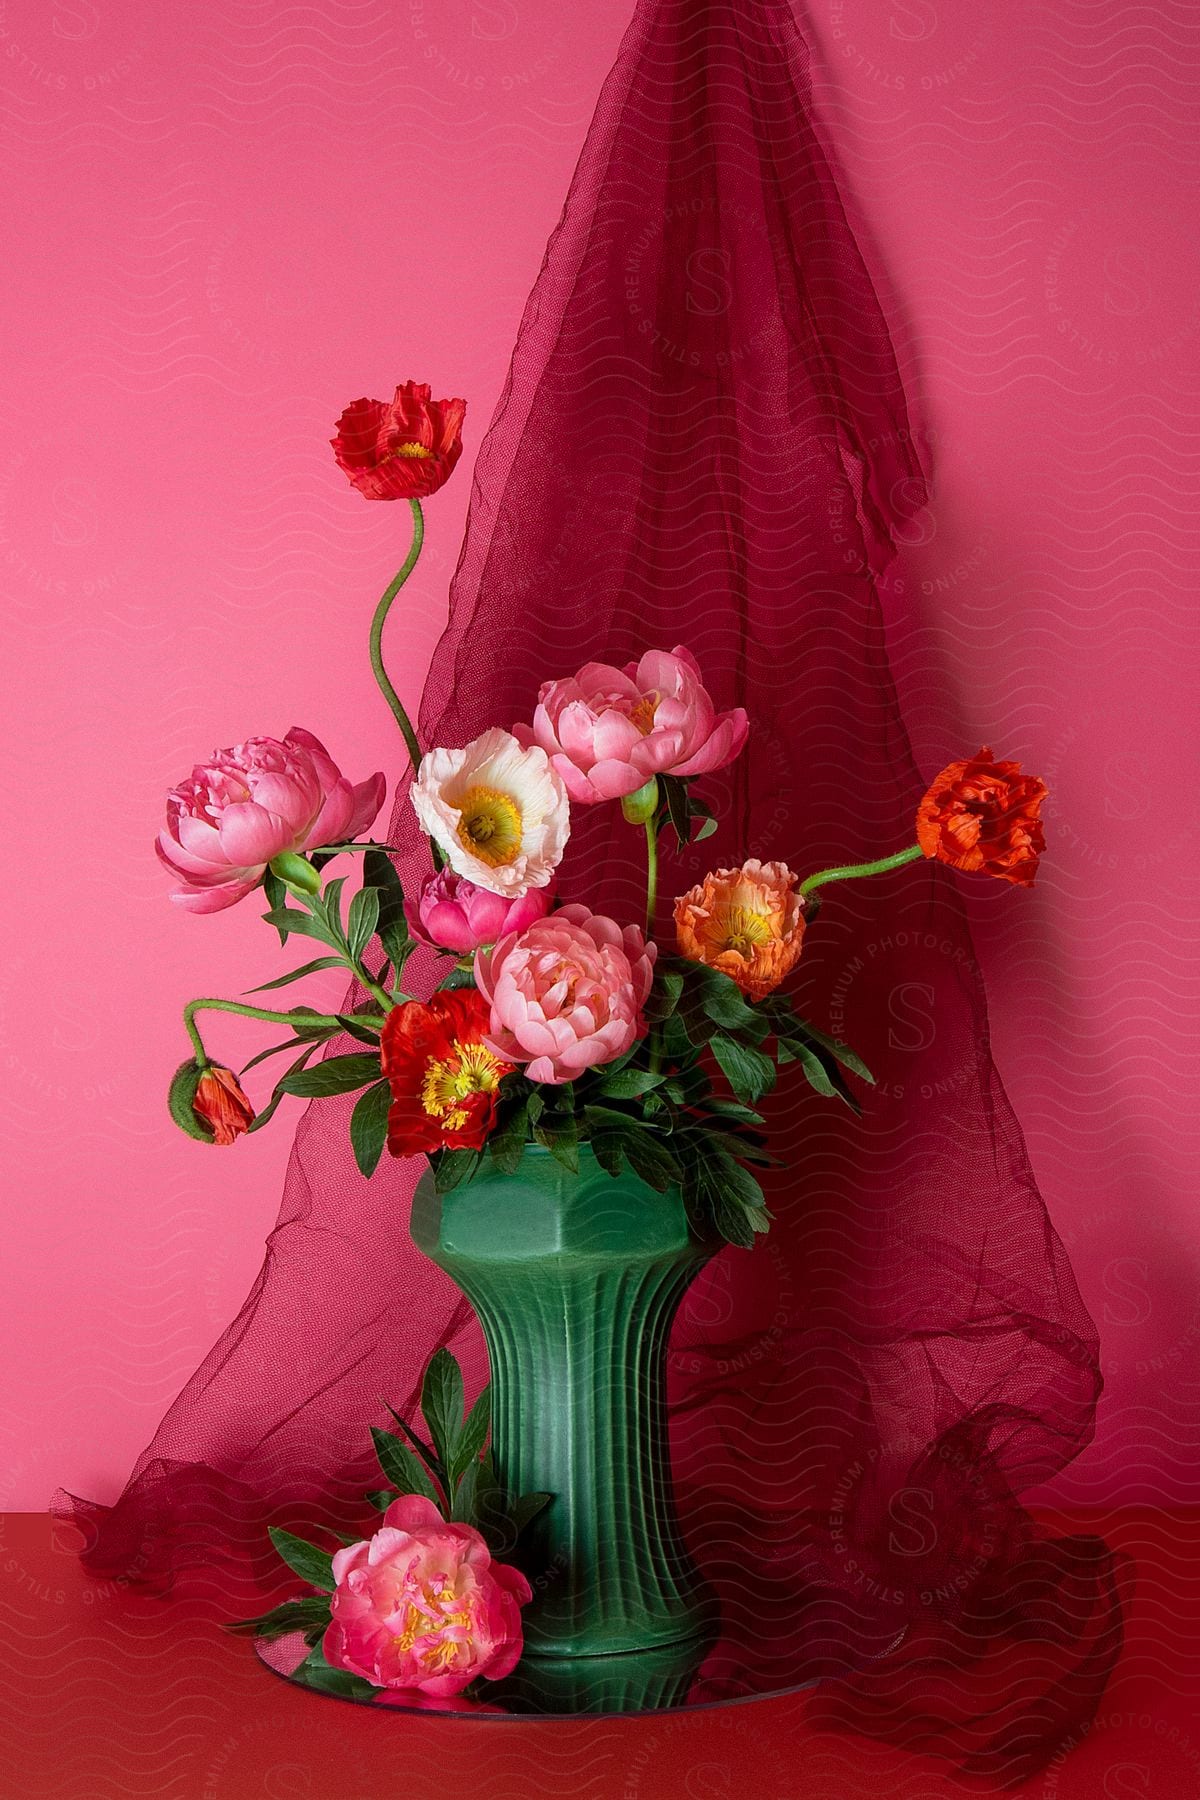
column 575, row 1280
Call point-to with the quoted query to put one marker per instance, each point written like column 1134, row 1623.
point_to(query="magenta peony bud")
column 452, row 913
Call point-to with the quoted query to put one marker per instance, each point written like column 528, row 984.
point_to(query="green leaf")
column 336, row 1075
column 749, row 1073
column 268, row 1112
column 357, row 1028
column 364, row 916
column 679, row 812
column 379, row 873
column 181, row 1095
column 559, row 1134
column 720, row 996
column 472, row 1438
column 454, row 1167
column 315, row 1672
column 457, row 978
column 442, row 1405
column 814, row 1068
column 405, row 1472
column 627, row 1084
column 733, row 1109
column 380, row 1498
column 276, row 897
column 425, row 1451
column 368, row 1127
column 835, row 1048
column 492, row 1518
column 309, row 1561
column 651, row 1160
column 738, row 1182
column 310, row 968
column 712, row 1188
column 507, row 1142
column 303, row 924
column 707, row 827
column 527, row 1507
column 309, row 1024
column 609, row 1149
column 664, row 996
column 296, row 873
column 292, row 1043
column 463, row 1508
column 281, row 1621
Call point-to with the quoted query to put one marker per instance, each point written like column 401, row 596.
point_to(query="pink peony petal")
column 251, row 835
column 541, row 1069
column 368, row 796
column 215, row 899
column 611, row 780
column 332, row 822
column 412, row 1512
column 727, row 741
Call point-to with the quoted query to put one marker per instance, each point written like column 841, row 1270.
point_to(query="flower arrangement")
column 551, row 1024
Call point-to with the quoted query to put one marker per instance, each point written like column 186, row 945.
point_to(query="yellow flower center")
column 429, row 1617
column 410, row 450
column 490, row 825
column 643, row 713
column 742, row 930
column 471, row 1070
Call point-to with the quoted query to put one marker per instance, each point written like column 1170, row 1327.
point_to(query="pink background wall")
column 227, row 221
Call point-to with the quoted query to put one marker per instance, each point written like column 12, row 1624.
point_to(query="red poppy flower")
column 443, row 1077
column 400, row 450
column 220, row 1104
column 982, row 816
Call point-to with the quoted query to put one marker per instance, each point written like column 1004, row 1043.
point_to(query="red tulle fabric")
column 704, row 439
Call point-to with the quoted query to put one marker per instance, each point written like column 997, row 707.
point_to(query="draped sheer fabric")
column 704, row 439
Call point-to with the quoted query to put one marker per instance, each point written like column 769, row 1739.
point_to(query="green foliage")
column 368, row 1127
column 311, row 1563
column 336, row 1075
column 309, row 1615
column 391, row 927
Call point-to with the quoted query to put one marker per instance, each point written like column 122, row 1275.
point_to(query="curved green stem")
column 868, row 868
column 377, row 623
column 258, row 1012
column 651, row 876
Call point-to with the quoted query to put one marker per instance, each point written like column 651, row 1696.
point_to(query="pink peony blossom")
column 422, row 1605
column 566, row 993
column 607, row 730
column 456, row 914
column 252, row 802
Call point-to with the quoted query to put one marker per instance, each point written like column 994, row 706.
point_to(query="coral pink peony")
column 608, row 730
column 566, row 993
column 403, row 449
column 252, row 802
column 456, row 914
column 422, row 1605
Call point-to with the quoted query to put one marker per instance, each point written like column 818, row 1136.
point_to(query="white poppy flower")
column 499, row 812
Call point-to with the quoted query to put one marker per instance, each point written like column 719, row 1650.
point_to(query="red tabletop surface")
column 108, row 1694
